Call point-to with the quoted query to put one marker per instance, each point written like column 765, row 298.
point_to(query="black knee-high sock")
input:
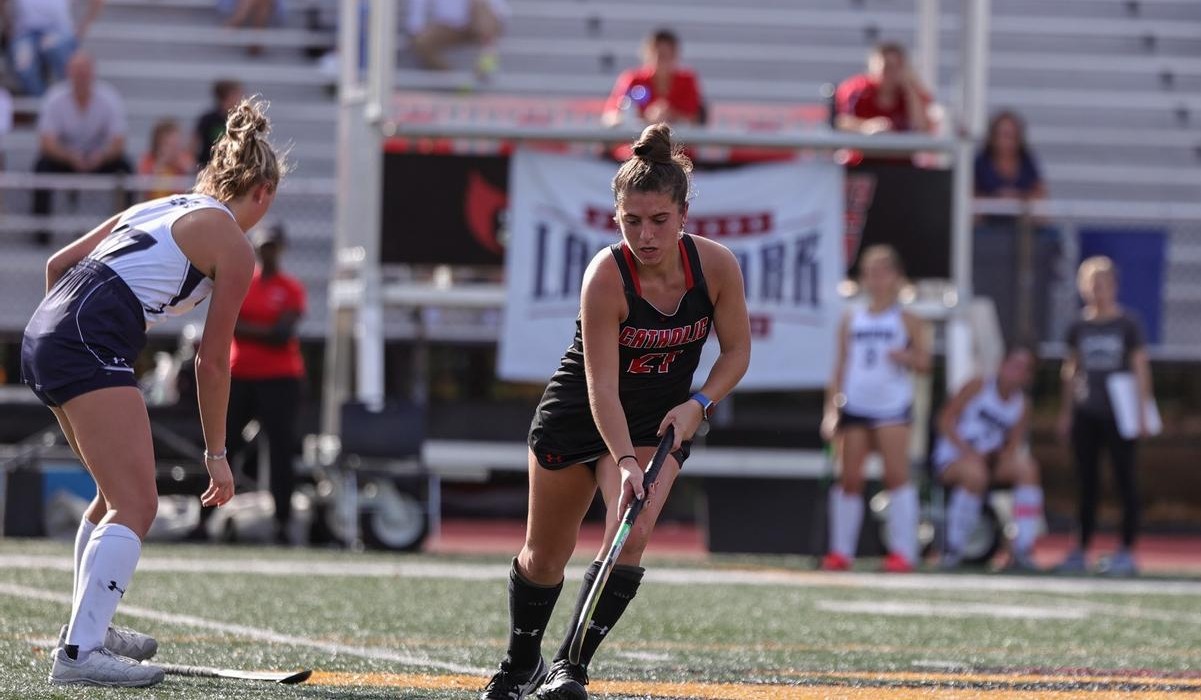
column 530, row 606
column 619, row 591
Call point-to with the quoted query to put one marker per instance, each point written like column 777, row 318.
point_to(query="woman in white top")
column 868, row 406
column 982, row 441
column 154, row 260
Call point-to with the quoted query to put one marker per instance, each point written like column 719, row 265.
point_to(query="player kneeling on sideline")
column 983, row 441
column 647, row 305
column 153, row 261
column 869, row 405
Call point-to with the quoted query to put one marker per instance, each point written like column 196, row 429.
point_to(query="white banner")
column 784, row 222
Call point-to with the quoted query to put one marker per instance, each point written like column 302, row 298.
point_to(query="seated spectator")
column 81, row 128
column 167, row 158
column 43, row 38
column 435, row 25
column 658, row 91
column 210, row 127
column 889, row 97
column 1005, row 167
column 981, row 443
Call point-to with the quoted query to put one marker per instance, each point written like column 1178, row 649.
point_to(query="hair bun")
column 655, row 144
column 248, row 120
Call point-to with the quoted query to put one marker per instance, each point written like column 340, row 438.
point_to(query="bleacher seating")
column 1111, row 88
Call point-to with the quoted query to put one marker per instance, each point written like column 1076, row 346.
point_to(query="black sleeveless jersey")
column 658, row 355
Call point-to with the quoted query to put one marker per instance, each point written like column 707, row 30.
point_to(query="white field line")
column 258, row 634
column 660, row 575
column 951, row 609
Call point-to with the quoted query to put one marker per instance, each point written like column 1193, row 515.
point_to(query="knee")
column 852, row 482
column 138, row 513
column 640, row 537
column 542, row 564
column 1028, row 472
column 973, row 478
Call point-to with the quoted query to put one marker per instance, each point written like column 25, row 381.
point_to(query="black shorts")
column 855, row 420
column 84, row 336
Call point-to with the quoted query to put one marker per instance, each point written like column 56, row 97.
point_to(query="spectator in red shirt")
column 660, row 90
column 266, row 368
column 889, row 97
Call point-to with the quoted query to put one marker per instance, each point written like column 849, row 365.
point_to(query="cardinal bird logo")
column 480, row 206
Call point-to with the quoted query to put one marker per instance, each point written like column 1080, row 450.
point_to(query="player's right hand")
column 829, row 426
column 221, row 483
column 632, row 477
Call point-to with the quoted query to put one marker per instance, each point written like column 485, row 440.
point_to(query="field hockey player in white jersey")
column 103, row 292
column 869, row 403
column 981, row 443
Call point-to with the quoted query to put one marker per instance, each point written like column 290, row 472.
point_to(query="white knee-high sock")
column 106, row 570
column 1027, row 514
column 903, row 514
column 82, row 535
column 963, row 512
column 846, row 517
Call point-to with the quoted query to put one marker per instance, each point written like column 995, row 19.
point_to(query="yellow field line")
column 739, row 691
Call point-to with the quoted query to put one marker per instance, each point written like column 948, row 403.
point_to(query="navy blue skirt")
column 84, row 336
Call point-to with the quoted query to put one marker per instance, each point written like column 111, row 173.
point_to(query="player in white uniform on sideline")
column 982, row 441
column 868, row 406
column 103, row 291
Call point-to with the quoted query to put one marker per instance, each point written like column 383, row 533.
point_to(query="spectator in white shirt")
column 81, row 128
column 44, row 36
column 436, row 25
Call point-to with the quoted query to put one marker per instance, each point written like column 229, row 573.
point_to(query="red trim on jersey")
column 633, row 268
column 688, row 282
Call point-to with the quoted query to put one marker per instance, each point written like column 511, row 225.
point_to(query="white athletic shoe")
column 102, row 667
column 122, row 641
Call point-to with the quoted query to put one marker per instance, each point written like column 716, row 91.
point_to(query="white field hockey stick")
column 619, row 540
column 284, row 677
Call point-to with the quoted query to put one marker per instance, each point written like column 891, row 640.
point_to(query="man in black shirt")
column 211, row 125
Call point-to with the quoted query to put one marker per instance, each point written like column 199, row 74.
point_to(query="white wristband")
column 214, row 456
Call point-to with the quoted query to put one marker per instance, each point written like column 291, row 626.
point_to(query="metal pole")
column 369, row 330
column 926, row 42
column 971, row 127
column 335, row 384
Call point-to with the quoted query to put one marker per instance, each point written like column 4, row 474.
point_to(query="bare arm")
column 1017, row 436
column 834, row 399
column 948, row 417
column 89, row 17
column 51, row 146
column 602, row 307
column 278, row 333
column 219, row 249
column 66, row 258
column 114, row 149
column 917, row 356
column 732, row 323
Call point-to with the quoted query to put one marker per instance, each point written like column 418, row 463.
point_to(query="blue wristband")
column 705, row 402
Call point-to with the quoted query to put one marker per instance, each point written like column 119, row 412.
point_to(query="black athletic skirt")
column 564, row 433
column 84, row 336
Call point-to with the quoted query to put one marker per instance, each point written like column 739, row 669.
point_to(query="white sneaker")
column 122, row 641
column 102, row 667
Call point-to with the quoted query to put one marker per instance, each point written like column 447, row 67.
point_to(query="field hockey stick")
column 284, row 677
column 619, row 540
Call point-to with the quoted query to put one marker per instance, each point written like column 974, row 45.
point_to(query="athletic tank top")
column 874, row 385
column 659, row 348
column 987, row 419
column 143, row 253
